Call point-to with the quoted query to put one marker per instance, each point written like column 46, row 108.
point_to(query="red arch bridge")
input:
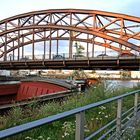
column 70, row 39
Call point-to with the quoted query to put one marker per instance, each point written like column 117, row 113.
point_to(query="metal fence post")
column 119, row 114
column 79, row 132
column 135, row 107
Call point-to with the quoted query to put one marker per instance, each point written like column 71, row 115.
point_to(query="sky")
column 13, row 7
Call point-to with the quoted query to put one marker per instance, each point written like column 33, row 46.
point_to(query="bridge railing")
column 63, row 56
column 115, row 127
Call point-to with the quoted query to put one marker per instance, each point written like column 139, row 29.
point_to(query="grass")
column 65, row 128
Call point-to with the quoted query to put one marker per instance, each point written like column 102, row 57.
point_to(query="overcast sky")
column 13, row 7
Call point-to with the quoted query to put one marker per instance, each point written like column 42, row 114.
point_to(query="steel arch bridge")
column 34, row 39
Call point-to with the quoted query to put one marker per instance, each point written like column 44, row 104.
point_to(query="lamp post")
column 10, row 57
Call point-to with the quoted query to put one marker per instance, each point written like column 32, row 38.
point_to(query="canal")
column 123, row 83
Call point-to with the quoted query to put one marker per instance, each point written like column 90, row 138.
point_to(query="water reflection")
column 123, row 83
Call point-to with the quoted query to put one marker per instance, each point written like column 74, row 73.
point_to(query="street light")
column 10, row 56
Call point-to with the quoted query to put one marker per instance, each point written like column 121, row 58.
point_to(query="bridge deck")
column 112, row 63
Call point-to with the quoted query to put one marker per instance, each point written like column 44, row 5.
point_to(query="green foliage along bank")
column 65, row 128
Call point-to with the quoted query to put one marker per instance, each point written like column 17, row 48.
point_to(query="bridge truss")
column 51, row 32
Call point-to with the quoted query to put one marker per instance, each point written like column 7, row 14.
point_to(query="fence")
column 63, row 56
column 132, row 113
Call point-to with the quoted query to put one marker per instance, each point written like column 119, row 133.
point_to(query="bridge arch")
column 118, row 32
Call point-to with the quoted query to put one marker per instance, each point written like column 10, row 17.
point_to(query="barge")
column 18, row 91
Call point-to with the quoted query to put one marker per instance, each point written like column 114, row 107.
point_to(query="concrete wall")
column 135, row 74
column 4, row 73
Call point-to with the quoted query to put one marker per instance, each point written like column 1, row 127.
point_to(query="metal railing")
column 62, row 56
column 80, row 117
